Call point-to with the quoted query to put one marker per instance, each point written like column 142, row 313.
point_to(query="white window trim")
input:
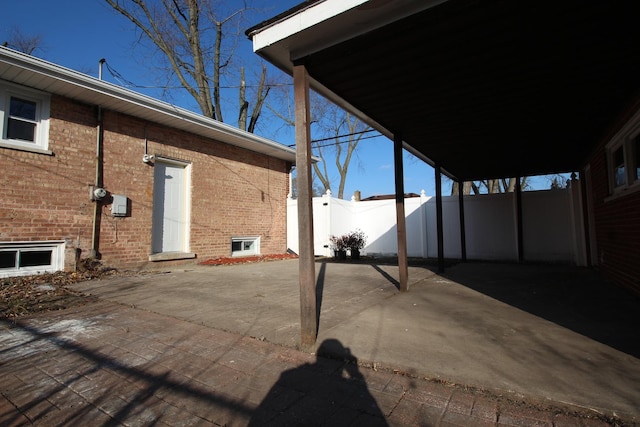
column 57, row 257
column 624, row 138
column 43, row 103
column 187, row 165
column 254, row 251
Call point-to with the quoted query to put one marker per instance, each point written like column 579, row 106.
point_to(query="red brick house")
column 90, row 169
column 612, row 175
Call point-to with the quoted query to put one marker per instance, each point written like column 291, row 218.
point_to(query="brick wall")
column 46, row 197
column 233, row 191
column 617, row 222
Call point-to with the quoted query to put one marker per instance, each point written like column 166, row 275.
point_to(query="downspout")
column 97, row 207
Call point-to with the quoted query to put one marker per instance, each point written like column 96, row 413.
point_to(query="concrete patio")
column 544, row 332
column 481, row 344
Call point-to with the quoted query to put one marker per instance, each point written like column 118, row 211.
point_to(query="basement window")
column 27, row 258
column 243, row 246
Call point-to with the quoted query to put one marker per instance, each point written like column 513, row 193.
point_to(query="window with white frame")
column 623, row 158
column 635, row 148
column 25, row 258
column 617, row 165
column 24, row 118
column 243, row 246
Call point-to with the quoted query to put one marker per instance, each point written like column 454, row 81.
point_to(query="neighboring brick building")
column 613, row 202
column 179, row 187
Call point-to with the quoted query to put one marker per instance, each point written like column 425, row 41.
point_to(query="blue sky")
column 78, row 33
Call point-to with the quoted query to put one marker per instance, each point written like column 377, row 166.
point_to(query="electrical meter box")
column 119, row 205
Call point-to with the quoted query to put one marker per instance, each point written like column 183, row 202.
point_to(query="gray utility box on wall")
column 119, row 205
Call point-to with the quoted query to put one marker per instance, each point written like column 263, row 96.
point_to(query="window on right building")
column 636, row 157
column 623, row 159
column 619, row 174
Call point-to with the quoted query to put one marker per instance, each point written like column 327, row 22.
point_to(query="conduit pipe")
column 97, row 207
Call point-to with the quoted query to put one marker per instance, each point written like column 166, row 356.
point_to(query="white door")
column 169, row 208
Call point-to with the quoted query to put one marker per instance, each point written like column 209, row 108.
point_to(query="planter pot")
column 340, row 254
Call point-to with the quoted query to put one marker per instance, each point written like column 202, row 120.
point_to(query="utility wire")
column 340, row 142
column 124, row 82
column 344, row 142
column 116, row 75
column 129, row 84
column 342, row 136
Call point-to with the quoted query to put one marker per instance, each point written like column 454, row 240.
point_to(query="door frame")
column 186, row 231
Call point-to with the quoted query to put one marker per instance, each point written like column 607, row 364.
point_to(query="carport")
column 478, row 90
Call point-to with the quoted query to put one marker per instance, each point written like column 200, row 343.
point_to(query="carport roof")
column 485, row 89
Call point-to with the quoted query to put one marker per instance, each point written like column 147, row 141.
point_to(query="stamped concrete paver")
column 105, row 370
column 122, row 362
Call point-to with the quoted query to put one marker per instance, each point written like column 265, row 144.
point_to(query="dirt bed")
column 21, row 296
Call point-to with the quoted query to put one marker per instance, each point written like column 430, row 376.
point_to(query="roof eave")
column 27, row 70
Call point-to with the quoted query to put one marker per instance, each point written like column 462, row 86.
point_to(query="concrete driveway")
column 553, row 334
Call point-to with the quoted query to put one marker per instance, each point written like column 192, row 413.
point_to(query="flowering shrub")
column 339, row 243
column 355, row 240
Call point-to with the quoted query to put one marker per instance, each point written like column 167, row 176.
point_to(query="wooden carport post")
column 306, row 268
column 439, row 226
column 519, row 232
column 401, row 223
column 463, row 236
column 585, row 216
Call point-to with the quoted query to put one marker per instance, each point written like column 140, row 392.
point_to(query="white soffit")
column 302, row 20
column 326, row 23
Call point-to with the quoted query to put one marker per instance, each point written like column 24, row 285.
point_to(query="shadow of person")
column 332, row 391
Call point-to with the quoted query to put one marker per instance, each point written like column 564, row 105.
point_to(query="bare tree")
column 558, row 181
column 339, row 135
column 22, row 42
column 468, row 187
column 197, row 39
column 346, row 133
column 316, row 189
column 490, row 186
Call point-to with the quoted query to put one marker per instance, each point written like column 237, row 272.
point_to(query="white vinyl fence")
column 552, row 226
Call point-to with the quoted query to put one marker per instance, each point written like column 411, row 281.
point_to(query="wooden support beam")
column 438, row 172
column 403, row 264
column 306, row 273
column 520, row 235
column 463, row 236
column 585, row 217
